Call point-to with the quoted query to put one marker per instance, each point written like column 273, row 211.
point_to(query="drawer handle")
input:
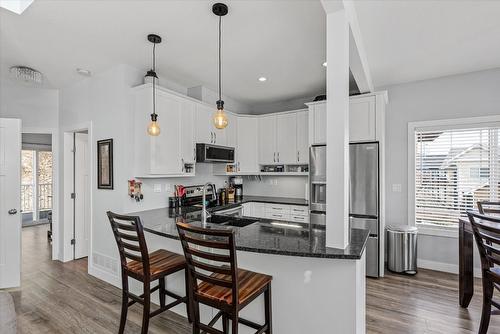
column 277, row 208
column 301, row 218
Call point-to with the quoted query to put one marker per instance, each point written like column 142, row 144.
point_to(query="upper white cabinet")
column 168, row 153
column 267, row 139
column 286, row 138
column 362, row 119
column 231, row 131
column 246, row 152
column 302, row 137
column 317, row 123
column 205, row 131
column 365, row 119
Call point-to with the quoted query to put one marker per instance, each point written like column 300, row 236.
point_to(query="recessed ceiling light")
column 262, row 79
column 324, row 64
column 84, row 72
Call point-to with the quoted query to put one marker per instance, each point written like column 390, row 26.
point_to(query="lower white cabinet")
column 294, row 213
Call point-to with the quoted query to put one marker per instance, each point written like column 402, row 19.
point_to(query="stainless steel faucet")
column 204, row 212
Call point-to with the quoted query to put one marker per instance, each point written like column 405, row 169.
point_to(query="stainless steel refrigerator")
column 364, row 198
column 317, row 186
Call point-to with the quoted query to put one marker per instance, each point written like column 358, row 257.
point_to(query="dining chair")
column 215, row 280
column 486, row 231
column 488, row 207
column 145, row 267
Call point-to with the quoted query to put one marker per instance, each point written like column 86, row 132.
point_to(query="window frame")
column 442, row 124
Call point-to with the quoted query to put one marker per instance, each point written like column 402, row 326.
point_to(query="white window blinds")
column 453, row 170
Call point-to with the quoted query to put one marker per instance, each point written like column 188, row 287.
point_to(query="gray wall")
column 458, row 96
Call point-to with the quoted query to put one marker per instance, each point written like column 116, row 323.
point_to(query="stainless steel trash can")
column 402, row 249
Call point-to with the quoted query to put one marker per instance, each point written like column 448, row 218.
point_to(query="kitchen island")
column 316, row 289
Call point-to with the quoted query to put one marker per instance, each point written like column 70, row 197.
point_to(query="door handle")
column 211, row 137
column 12, row 211
column 298, row 156
column 274, row 156
column 215, row 135
column 278, row 156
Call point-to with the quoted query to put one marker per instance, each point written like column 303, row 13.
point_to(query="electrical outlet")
column 157, row 188
column 396, row 187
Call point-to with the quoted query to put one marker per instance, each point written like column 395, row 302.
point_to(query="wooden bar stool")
column 222, row 284
column 486, row 231
column 144, row 267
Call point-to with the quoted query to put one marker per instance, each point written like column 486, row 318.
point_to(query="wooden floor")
column 63, row 298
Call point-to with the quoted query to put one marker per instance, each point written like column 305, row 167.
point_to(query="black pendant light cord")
column 220, row 62
column 154, row 79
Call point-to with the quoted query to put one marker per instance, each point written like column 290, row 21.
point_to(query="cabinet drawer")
column 277, row 208
column 298, row 210
column 277, row 216
column 299, row 219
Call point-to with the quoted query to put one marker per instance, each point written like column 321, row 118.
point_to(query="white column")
column 337, row 125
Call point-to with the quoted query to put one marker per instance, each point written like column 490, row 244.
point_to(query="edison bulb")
column 220, row 119
column 153, row 128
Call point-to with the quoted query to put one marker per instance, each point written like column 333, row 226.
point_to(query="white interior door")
column 10, row 200
column 82, row 198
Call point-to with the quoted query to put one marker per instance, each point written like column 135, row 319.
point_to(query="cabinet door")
column 320, row 123
column 267, row 140
column 302, row 137
column 204, row 127
column 165, row 156
column 362, row 119
column 286, row 138
column 247, row 144
column 232, row 130
column 220, row 135
column 187, row 119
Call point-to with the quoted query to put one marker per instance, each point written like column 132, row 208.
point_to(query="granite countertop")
column 265, row 235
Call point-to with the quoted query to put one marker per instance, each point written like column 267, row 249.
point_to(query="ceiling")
column 416, row 40
column 281, row 40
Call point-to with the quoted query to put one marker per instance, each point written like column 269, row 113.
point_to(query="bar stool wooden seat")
column 486, row 231
column 137, row 263
column 222, row 284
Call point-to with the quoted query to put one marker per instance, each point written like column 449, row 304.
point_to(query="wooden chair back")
column 488, row 208
column 129, row 237
column 486, row 231
column 217, row 268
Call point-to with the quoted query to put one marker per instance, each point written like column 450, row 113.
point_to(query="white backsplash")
column 276, row 186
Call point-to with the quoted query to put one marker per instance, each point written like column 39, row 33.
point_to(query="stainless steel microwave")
column 214, row 153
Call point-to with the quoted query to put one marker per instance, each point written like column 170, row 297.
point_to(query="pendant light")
column 220, row 117
column 153, row 127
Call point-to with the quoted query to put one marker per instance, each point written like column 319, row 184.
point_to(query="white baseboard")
column 105, row 275
column 444, row 267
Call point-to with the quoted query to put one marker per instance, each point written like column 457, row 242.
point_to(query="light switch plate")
column 157, row 188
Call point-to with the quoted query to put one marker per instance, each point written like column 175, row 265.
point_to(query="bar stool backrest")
column 488, row 208
column 486, row 231
column 129, row 236
column 210, row 257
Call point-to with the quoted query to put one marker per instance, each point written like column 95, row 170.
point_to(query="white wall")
column 35, row 106
column 459, row 96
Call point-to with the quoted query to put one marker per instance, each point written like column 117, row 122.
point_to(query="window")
column 454, row 168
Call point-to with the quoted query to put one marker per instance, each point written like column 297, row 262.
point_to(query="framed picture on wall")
column 105, row 164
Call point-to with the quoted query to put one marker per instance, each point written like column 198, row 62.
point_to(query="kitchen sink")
column 231, row 221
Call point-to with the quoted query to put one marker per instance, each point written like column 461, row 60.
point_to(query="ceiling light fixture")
column 324, row 64
column 220, row 117
column 26, row 74
column 84, row 72
column 262, row 79
column 153, row 127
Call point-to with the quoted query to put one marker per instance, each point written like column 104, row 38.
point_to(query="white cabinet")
column 286, row 138
column 246, row 151
column 231, row 131
column 302, row 138
column 204, row 127
column 362, row 119
column 294, row 213
column 267, row 139
column 187, row 119
column 317, row 123
column 167, row 153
